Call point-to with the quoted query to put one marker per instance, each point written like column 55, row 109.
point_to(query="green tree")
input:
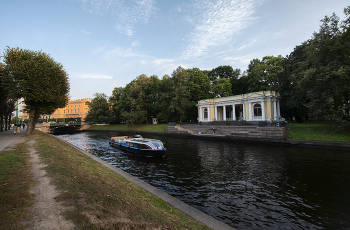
column 253, row 80
column 39, row 80
column 198, row 86
column 234, row 81
column 98, row 109
column 293, row 98
column 242, row 85
column 154, row 97
column 326, row 78
column 180, row 96
column 7, row 98
column 263, row 75
column 221, row 87
column 165, row 96
column 174, row 97
column 225, row 71
column 140, row 99
column 116, row 104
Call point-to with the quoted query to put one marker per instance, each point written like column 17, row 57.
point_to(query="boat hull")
column 140, row 152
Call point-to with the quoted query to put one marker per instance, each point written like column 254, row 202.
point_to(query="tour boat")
column 139, row 146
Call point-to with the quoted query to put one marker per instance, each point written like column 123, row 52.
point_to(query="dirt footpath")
column 46, row 213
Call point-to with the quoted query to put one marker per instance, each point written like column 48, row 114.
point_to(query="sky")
column 102, row 43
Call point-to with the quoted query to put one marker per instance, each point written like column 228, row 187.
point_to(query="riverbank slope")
column 95, row 196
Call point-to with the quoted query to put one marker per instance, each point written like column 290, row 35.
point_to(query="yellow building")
column 74, row 109
column 257, row 106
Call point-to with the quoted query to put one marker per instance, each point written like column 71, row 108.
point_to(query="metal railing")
column 268, row 123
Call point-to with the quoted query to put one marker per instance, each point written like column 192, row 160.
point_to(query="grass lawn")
column 16, row 180
column 142, row 127
column 318, row 132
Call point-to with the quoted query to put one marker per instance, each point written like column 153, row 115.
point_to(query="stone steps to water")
column 250, row 132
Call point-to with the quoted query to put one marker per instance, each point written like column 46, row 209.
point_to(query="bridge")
column 62, row 127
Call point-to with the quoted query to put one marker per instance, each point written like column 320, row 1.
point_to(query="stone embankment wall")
column 44, row 127
column 271, row 134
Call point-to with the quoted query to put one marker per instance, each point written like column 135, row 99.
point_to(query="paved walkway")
column 7, row 138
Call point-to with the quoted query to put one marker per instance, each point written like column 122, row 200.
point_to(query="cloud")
column 220, row 20
column 135, row 43
column 241, row 59
column 91, row 76
column 116, row 52
column 126, row 13
column 84, row 32
column 162, row 61
column 248, row 44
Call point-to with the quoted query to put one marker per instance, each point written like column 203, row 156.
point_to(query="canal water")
column 247, row 186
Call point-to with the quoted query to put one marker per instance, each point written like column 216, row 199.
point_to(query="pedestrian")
column 19, row 128
column 23, row 125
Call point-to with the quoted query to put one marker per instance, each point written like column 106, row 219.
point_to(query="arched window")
column 257, row 110
column 205, row 113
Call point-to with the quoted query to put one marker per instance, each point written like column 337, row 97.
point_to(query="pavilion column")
column 250, row 112
column 216, row 113
column 263, row 110
column 243, row 112
column 200, row 114
column 233, row 112
column 208, row 113
column 278, row 109
column 274, row 109
column 224, row 111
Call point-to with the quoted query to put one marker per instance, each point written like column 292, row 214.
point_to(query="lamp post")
column 16, row 112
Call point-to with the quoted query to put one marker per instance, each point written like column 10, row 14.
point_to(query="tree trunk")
column 6, row 123
column 2, row 123
column 33, row 117
column 9, row 121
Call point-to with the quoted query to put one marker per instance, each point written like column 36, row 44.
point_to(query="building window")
column 205, row 113
column 257, row 110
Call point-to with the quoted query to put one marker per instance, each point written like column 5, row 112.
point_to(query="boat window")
column 156, row 144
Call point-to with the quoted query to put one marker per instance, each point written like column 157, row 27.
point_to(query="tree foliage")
column 326, row 79
column 39, row 80
column 316, row 79
column 98, row 109
column 198, row 86
column 7, row 98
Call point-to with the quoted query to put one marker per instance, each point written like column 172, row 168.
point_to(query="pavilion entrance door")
column 239, row 111
column 229, row 114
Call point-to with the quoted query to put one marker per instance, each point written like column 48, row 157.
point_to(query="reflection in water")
column 247, row 186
